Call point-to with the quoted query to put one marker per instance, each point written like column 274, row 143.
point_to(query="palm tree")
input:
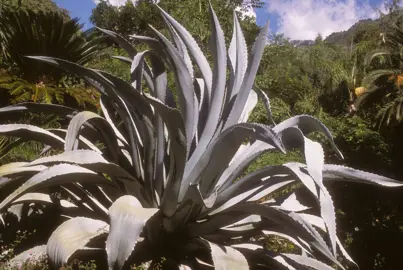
column 25, row 32
column 387, row 80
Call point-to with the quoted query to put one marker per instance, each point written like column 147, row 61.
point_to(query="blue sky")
column 297, row 19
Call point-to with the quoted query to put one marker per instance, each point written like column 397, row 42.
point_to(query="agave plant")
column 163, row 177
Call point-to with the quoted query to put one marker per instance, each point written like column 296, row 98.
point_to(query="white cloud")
column 305, row 19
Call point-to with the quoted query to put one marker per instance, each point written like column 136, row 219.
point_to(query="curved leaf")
column 54, row 176
column 71, row 236
column 127, row 220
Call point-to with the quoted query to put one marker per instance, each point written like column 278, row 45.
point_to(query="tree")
column 34, row 6
column 135, row 19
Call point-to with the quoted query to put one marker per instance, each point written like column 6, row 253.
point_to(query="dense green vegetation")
column 351, row 81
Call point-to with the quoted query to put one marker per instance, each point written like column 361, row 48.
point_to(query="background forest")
column 352, row 81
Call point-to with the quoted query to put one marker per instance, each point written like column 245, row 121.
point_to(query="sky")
column 296, row 19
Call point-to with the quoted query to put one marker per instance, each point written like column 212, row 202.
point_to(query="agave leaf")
column 245, row 155
column 181, row 47
column 186, row 91
column 31, row 133
column 266, row 101
column 18, row 168
column 250, row 105
column 86, row 159
column 227, row 258
column 308, row 262
column 83, row 141
column 111, row 123
column 71, row 236
column 123, row 43
column 283, row 262
column 195, row 51
column 124, row 59
column 16, row 210
column 292, row 221
column 33, row 254
column 319, row 223
column 102, row 126
column 127, row 220
column 314, row 156
column 238, row 56
column 218, row 84
column 161, row 92
column 137, row 69
column 34, row 107
column 129, row 48
column 292, row 204
column 253, row 194
column 177, row 155
column 221, row 150
column 251, row 180
column 307, row 124
column 247, row 84
column 53, row 176
column 341, row 173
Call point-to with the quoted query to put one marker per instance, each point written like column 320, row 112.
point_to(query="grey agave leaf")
column 33, row 107
column 177, row 155
column 249, row 181
column 250, row 105
column 87, row 159
column 238, row 56
column 181, row 47
column 16, row 210
column 314, row 156
column 71, row 236
column 221, row 150
column 186, row 91
column 263, row 96
column 245, row 155
column 123, row 43
column 307, row 124
column 83, row 141
column 18, row 169
column 194, row 49
column 308, row 262
column 102, row 126
column 247, row 84
column 127, row 220
column 53, row 176
column 32, row 133
column 124, row 59
column 43, row 198
column 293, row 222
column 227, row 258
column 292, row 204
column 341, row 173
column 218, row 84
